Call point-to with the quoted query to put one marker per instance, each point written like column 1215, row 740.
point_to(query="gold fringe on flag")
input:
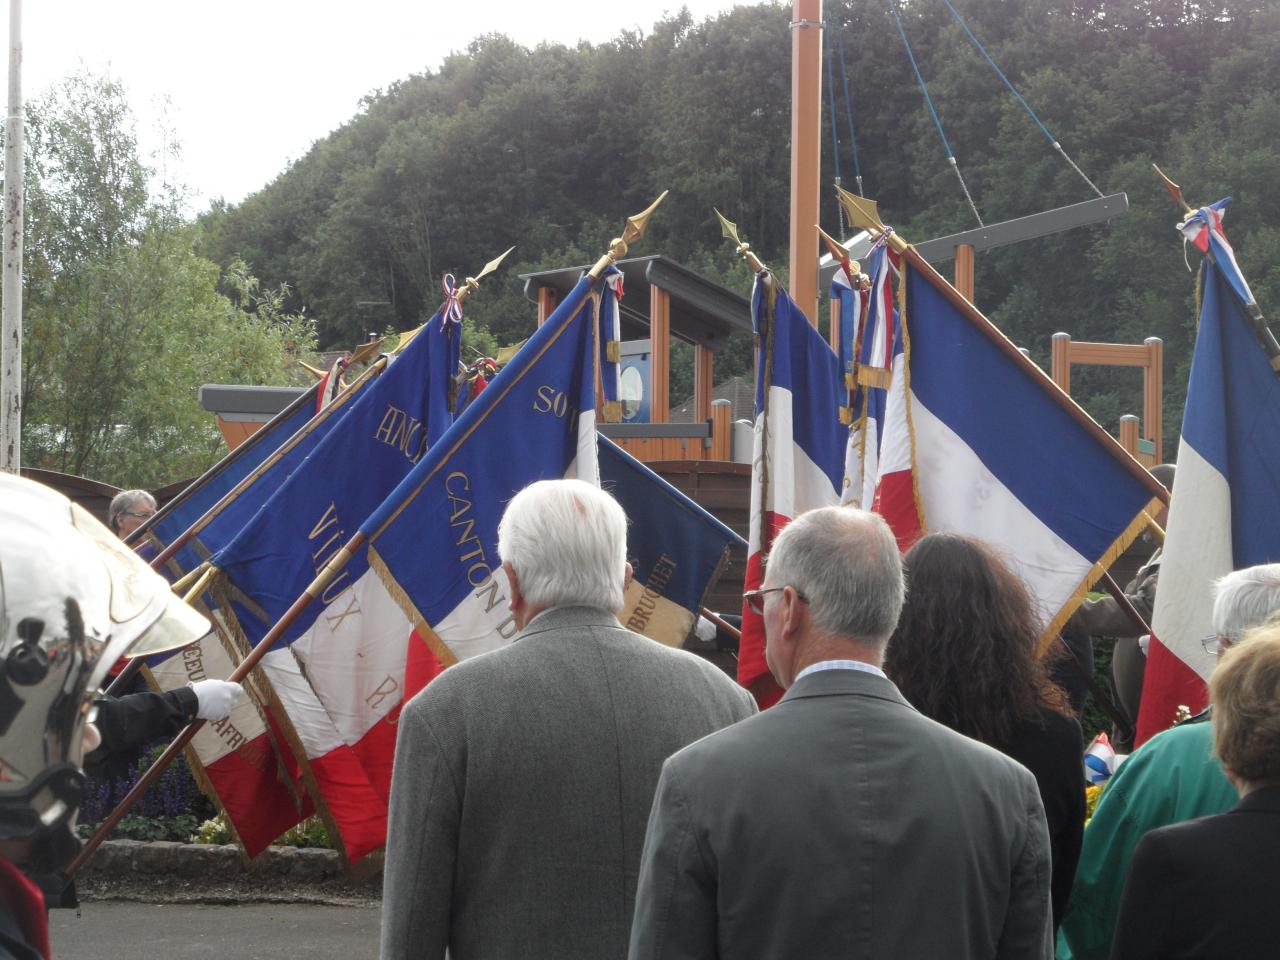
column 406, row 605
column 1121, row 544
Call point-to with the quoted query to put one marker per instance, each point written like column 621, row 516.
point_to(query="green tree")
column 550, row 148
column 123, row 321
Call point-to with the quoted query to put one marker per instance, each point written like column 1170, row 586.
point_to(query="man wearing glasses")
column 129, row 510
column 841, row 822
column 1171, row 778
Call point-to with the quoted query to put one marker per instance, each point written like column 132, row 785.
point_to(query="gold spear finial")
column 729, row 230
column 472, row 284
column 366, row 351
column 865, row 215
column 839, row 253
column 633, row 232
column 862, row 213
column 361, row 354
column 1175, row 191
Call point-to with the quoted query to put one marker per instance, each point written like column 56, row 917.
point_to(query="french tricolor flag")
column 978, row 441
column 338, row 675
column 1223, row 515
column 434, row 540
column 798, row 453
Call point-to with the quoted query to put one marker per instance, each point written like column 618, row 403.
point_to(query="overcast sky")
column 251, row 84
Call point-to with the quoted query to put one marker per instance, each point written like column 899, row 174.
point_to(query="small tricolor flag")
column 611, row 345
column 1099, row 760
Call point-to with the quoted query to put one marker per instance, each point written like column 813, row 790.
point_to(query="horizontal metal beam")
column 1026, row 228
column 995, row 234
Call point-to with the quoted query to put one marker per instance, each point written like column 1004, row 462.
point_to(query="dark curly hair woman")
column 964, row 654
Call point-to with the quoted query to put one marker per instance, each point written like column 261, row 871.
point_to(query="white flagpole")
column 11, row 299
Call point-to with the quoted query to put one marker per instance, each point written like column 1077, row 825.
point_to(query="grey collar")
column 560, row 618
column 834, row 683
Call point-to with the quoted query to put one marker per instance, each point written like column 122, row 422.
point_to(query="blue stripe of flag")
column 805, row 365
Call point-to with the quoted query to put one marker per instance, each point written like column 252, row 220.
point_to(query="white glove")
column 215, row 698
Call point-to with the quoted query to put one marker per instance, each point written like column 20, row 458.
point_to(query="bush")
column 173, row 803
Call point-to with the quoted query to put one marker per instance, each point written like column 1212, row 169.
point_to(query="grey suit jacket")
column 843, row 823
column 523, row 780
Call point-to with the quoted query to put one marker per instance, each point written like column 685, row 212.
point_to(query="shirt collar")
column 840, row 665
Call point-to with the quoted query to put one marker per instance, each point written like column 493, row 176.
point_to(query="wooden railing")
column 1149, row 355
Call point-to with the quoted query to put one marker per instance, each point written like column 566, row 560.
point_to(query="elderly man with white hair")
column 1171, row 778
column 841, row 822
column 523, row 777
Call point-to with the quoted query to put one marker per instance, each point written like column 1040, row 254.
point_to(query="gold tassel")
column 874, row 377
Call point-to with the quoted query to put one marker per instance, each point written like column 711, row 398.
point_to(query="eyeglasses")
column 136, row 515
column 1212, row 644
column 755, row 598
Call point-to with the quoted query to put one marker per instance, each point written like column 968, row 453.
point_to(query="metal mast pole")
column 11, row 299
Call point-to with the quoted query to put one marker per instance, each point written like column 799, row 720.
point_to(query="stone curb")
column 128, row 868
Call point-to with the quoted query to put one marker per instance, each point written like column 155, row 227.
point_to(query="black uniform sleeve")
column 133, row 720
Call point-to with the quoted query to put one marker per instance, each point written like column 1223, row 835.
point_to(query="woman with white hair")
column 1205, row 888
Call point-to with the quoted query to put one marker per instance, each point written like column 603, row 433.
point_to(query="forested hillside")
column 551, row 148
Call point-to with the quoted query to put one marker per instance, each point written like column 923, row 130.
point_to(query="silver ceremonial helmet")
column 73, row 600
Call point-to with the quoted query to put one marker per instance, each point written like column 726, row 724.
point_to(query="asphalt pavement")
column 121, row 930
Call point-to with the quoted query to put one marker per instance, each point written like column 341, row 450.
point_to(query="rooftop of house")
column 739, row 392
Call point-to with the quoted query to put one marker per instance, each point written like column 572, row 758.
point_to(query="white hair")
column 567, row 541
column 1244, row 599
column 126, row 500
column 845, row 562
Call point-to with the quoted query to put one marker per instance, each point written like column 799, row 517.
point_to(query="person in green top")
column 1171, row 778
